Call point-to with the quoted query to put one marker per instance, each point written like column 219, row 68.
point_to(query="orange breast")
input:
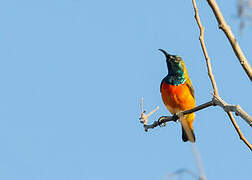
column 177, row 98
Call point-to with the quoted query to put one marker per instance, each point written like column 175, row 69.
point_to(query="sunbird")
column 178, row 93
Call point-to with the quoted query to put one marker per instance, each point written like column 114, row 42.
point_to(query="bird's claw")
column 160, row 121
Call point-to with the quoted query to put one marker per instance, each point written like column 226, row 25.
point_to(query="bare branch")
column 182, row 171
column 197, row 157
column 238, row 130
column 233, row 108
column 216, row 101
column 202, row 43
column 229, row 34
column 144, row 117
column 163, row 119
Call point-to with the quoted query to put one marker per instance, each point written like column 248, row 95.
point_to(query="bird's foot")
column 161, row 121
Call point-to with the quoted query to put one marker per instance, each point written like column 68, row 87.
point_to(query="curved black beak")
column 165, row 53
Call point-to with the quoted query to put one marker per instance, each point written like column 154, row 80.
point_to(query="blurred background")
column 72, row 74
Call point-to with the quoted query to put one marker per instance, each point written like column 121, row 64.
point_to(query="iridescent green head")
column 176, row 71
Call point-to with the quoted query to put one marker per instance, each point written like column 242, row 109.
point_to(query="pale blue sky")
column 72, row 73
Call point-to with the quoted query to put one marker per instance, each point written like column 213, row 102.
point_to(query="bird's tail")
column 188, row 135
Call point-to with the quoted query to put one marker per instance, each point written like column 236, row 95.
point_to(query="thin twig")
column 182, row 171
column 229, row 34
column 238, row 130
column 144, row 117
column 202, row 43
column 141, row 105
column 197, row 157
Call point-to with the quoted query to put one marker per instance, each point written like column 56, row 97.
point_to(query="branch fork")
column 237, row 109
column 144, row 117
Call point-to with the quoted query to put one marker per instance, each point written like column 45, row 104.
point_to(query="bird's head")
column 175, row 64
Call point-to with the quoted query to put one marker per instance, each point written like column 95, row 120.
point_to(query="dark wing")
column 190, row 86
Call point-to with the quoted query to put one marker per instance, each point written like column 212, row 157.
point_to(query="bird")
column 178, row 93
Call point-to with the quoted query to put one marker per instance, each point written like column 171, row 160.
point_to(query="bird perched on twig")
column 177, row 92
